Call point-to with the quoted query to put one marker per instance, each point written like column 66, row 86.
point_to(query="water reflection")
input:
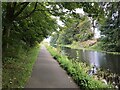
column 102, row 60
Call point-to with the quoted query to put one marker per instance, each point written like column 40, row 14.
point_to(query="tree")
column 77, row 30
column 111, row 27
column 54, row 39
column 16, row 13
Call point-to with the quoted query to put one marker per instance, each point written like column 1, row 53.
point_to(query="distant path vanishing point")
column 48, row 74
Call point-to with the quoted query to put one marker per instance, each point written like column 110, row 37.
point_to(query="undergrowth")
column 77, row 71
column 17, row 68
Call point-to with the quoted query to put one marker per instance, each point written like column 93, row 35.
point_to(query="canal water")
column 100, row 59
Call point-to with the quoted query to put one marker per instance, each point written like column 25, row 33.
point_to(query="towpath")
column 47, row 73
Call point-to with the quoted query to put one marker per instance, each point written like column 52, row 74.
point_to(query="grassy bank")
column 78, row 71
column 98, row 47
column 95, row 47
column 16, row 70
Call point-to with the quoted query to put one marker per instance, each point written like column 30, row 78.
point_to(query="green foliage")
column 77, row 71
column 28, row 23
column 84, row 28
column 110, row 29
column 76, row 30
column 37, row 16
column 54, row 39
column 17, row 70
column 98, row 46
column 25, row 24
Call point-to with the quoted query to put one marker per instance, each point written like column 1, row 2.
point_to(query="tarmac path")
column 47, row 73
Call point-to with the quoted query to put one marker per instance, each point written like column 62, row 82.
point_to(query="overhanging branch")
column 24, row 17
column 20, row 11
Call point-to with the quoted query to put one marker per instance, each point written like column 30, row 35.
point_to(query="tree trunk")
column 6, row 35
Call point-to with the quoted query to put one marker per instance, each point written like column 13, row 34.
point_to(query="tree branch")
column 20, row 11
column 24, row 17
column 14, row 4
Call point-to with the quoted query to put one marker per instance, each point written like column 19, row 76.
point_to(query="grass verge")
column 16, row 71
column 77, row 71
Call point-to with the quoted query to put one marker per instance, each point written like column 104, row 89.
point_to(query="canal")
column 100, row 59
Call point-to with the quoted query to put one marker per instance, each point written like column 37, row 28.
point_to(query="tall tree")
column 77, row 30
column 15, row 13
column 111, row 27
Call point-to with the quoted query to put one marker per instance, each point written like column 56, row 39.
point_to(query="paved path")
column 48, row 74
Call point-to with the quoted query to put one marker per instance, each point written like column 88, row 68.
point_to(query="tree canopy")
column 77, row 30
column 111, row 27
column 29, row 23
column 107, row 15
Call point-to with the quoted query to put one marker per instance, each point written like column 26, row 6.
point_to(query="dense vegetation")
column 16, row 71
column 110, row 29
column 76, row 30
column 79, row 29
column 25, row 24
column 78, row 71
column 22, row 28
